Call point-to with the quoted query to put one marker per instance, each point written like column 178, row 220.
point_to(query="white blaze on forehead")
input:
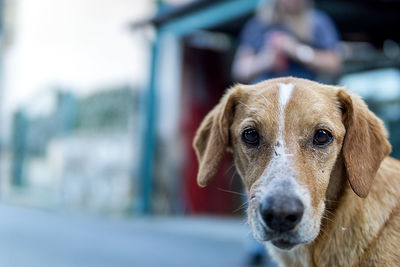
column 285, row 91
column 278, row 166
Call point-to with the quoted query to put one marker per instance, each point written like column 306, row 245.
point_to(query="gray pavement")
column 31, row 237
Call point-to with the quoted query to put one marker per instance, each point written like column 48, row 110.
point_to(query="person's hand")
column 274, row 46
column 289, row 47
column 284, row 43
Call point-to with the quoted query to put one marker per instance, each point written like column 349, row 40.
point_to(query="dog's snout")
column 281, row 213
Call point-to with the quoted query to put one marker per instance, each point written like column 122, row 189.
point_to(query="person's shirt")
column 324, row 37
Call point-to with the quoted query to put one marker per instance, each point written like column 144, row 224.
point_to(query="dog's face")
column 286, row 136
column 286, row 139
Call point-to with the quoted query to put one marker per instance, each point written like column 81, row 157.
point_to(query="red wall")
column 204, row 80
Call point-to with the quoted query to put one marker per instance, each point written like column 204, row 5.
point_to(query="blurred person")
column 285, row 38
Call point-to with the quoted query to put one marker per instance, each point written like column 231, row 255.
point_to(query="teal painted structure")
column 20, row 128
column 215, row 14
column 41, row 130
column 210, row 15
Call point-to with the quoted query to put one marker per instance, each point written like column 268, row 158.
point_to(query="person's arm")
column 248, row 64
column 322, row 61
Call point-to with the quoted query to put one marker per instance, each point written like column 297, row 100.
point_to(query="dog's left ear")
column 365, row 144
column 212, row 137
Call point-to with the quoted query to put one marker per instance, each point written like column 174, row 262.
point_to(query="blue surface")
column 36, row 238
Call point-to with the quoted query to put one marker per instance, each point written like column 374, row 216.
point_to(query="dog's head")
column 290, row 137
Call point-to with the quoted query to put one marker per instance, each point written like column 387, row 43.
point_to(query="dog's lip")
column 279, row 239
column 283, row 244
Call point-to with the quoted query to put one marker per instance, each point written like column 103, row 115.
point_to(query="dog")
column 314, row 160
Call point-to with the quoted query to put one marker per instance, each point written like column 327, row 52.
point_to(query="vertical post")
column 66, row 112
column 20, row 127
column 148, row 134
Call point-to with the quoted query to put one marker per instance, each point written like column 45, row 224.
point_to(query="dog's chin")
column 285, row 241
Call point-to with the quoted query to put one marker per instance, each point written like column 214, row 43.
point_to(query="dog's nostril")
column 291, row 218
column 268, row 217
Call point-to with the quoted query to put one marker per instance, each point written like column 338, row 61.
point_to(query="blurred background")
column 99, row 103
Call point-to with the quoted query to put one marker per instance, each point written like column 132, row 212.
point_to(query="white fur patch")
column 285, row 92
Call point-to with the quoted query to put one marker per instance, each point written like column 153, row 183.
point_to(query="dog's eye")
column 322, row 138
column 250, row 137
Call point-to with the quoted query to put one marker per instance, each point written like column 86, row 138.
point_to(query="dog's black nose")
column 281, row 213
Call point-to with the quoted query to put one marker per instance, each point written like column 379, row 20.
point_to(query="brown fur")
column 354, row 186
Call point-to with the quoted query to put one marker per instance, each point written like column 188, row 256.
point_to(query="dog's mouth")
column 283, row 244
column 285, row 241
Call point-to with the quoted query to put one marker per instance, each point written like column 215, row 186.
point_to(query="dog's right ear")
column 212, row 137
column 365, row 144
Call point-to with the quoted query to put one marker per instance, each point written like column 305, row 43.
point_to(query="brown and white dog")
column 314, row 160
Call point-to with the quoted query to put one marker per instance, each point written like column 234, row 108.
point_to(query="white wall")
column 78, row 44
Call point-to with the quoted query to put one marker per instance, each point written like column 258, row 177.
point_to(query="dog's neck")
column 336, row 229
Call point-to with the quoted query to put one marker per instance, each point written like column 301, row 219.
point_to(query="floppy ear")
column 212, row 137
column 365, row 144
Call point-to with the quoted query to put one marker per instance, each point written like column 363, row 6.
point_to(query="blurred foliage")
column 106, row 110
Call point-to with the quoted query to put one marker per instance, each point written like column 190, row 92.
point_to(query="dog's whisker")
column 229, row 169
column 323, row 232
column 327, row 218
column 230, row 191
column 245, row 221
column 240, row 207
column 243, row 204
column 235, row 175
column 330, row 213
